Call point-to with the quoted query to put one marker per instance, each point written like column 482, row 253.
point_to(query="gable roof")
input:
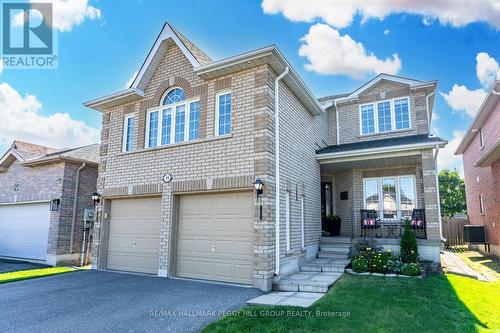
column 206, row 69
column 486, row 107
column 30, row 154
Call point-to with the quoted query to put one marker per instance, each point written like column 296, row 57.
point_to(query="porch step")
column 332, row 255
column 325, row 265
column 340, row 249
column 317, row 282
column 336, row 240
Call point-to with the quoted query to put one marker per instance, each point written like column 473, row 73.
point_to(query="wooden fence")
column 453, row 230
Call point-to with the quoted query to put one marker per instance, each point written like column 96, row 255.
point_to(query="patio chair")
column 418, row 223
column 370, row 221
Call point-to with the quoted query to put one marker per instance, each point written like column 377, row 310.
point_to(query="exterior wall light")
column 259, row 185
column 96, row 197
column 54, row 205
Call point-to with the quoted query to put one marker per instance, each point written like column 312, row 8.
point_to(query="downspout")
column 277, row 166
column 337, row 122
column 75, row 201
column 438, row 196
column 428, row 112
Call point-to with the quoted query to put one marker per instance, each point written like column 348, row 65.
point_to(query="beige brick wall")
column 349, row 130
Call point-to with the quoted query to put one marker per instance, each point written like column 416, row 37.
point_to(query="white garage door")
column 134, row 235
column 215, row 239
column 24, row 230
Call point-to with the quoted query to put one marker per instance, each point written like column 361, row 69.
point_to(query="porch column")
column 431, row 200
column 357, row 200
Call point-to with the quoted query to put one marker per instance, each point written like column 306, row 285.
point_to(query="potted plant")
column 333, row 224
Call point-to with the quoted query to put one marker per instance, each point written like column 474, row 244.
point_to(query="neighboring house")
column 39, row 217
column 480, row 148
column 182, row 147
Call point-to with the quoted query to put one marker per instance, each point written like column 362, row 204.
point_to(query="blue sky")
column 102, row 43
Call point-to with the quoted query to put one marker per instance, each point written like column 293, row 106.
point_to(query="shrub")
column 359, row 264
column 395, row 265
column 409, row 250
column 411, row 269
column 379, row 262
column 367, row 247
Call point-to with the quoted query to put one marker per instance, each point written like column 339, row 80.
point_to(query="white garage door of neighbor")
column 134, row 235
column 215, row 238
column 24, row 230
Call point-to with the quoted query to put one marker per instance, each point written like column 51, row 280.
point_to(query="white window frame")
column 481, row 204
column 398, row 193
column 481, row 138
column 217, row 109
column 125, row 133
column 392, row 112
column 287, row 224
column 186, row 103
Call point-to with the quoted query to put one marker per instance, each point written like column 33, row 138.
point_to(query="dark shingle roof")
column 398, row 141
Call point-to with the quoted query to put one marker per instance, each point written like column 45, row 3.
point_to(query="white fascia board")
column 98, row 102
column 380, row 150
column 10, row 152
column 166, row 33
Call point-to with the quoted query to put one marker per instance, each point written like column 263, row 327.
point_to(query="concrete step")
column 335, row 248
column 336, row 240
column 325, row 265
column 332, row 255
column 317, row 282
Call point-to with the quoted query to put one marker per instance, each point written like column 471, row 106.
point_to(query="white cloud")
column 460, row 98
column 487, row 70
column 130, row 80
column 447, row 158
column 387, row 32
column 330, row 53
column 66, row 13
column 340, row 14
column 21, row 119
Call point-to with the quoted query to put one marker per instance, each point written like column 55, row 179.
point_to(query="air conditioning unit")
column 474, row 234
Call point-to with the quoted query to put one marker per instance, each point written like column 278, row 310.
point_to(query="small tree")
column 451, row 193
column 409, row 249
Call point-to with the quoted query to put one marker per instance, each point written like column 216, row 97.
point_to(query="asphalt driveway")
column 95, row 301
column 13, row 265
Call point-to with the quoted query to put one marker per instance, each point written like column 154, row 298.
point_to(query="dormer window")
column 385, row 116
column 176, row 120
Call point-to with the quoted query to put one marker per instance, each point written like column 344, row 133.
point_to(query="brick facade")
column 484, row 181
column 47, row 182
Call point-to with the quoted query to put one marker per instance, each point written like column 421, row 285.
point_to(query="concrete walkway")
column 453, row 264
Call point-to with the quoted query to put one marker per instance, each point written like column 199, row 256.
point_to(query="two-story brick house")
column 182, row 147
column 480, row 148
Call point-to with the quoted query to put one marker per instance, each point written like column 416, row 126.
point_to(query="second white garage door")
column 24, row 230
column 215, row 238
column 134, row 235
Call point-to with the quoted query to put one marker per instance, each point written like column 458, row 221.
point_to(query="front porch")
column 393, row 184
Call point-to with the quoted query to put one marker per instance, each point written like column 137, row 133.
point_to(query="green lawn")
column 33, row 273
column 376, row 304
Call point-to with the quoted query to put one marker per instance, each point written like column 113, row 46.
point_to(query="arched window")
column 175, row 95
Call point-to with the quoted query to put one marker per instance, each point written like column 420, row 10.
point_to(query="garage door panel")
column 134, row 235
column 223, row 221
column 24, row 230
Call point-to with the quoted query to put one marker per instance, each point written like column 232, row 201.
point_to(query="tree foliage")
column 452, row 193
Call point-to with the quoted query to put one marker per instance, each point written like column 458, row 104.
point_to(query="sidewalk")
column 452, row 263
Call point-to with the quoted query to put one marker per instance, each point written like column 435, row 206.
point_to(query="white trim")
column 302, row 221
column 125, row 133
column 23, row 202
column 379, row 150
column 287, row 221
column 481, row 204
column 217, row 110
column 392, row 111
column 481, row 138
